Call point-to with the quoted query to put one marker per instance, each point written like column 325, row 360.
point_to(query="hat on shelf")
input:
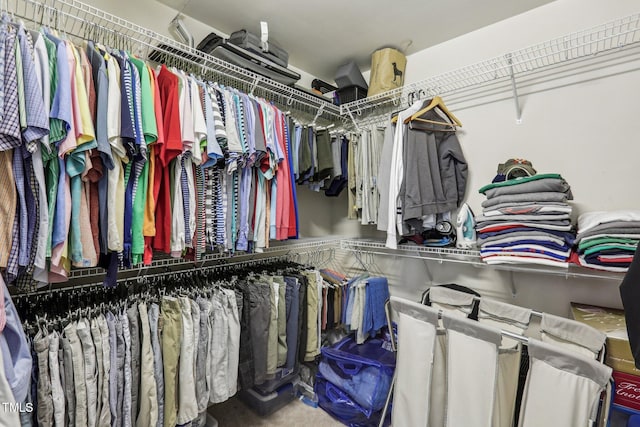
column 514, row 168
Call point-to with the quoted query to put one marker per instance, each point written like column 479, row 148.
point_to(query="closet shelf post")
column 514, row 88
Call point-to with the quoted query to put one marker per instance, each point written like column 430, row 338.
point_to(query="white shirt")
column 199, row 123
column 177, row 212
column 396, row 174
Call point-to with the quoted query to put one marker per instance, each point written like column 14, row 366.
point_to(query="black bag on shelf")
column 252, row 43
column 217, row 46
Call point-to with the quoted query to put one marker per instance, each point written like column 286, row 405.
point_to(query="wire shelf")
column 617, row 34
column 83, row 21
column 472, row 257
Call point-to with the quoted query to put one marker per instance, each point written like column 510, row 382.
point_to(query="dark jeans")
column 246, row 368
column 260, row 315
column 292, row 298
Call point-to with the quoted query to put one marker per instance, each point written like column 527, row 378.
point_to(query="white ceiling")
column 322, row 35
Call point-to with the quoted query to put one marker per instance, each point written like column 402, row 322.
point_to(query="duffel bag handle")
column 349, row 368
column 333, row 393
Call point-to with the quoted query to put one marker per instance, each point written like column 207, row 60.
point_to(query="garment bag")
column 417, row 325
column 472, row 369
column 572, row 335
column 515, row 319
column 562, row 388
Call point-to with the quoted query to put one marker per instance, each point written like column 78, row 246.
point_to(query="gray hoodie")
column 435, row 170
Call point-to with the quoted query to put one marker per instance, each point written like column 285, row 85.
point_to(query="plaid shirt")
column 10, row 125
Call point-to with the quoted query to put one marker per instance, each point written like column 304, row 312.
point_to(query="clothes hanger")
column 439, row 103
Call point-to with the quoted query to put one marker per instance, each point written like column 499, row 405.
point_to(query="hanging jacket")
column 435, row 171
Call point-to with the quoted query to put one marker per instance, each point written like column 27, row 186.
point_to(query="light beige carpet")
column 234, row 413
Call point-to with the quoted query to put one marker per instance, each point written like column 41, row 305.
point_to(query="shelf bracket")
column 514, row 88
column 254, row 85
column 353, row 119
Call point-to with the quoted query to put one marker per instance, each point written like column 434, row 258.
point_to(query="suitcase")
column 252, row 43
column 216, row 46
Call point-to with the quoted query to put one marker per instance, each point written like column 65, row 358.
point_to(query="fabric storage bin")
column 349, row 94
column 623, row 417
column 341, row 407
column 267, row 404
column 364, row 372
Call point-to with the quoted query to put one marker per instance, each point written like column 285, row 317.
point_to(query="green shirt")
column 149, row 126
column 586, row 244
column 517, row 181
column 137, row 221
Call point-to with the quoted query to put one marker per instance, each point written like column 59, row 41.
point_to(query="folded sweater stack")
column 607, row 240
column 526, row 220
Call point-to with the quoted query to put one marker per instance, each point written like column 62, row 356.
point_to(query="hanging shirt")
column 149, row 130
column 231, row 126
column 61, row 106
column 177, row 223
column 93, row 171
column 395, row 177
column 172, row 147
column 155, row 173
column 199, row 122
column 214, row 151
column 115, row 192
column 101, row 82
column 218, row 118
column 41, row 65
column 83, row 253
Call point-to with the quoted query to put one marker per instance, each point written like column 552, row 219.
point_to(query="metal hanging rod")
column 80, row 20
column 167, row 262
column 585, row 44
column 179, row 266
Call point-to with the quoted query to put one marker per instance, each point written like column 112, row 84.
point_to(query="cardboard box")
column 611, row 321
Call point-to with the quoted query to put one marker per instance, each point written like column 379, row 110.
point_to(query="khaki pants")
column 148, row 399
column 171, row 341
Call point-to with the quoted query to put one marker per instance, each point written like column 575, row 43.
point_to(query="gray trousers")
column 57, row 391
column 89, row 354
column 134, row 331
column 233, row 341
column 158, row 368
column 78, row 374
column 126, row 399
column 104, row 417
column 202, row 392
column 117, row 419
column 148, row 400
column 69, row 388
column 219, row 352
column 97, row 344
column 45, row 402
column 113, row 371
